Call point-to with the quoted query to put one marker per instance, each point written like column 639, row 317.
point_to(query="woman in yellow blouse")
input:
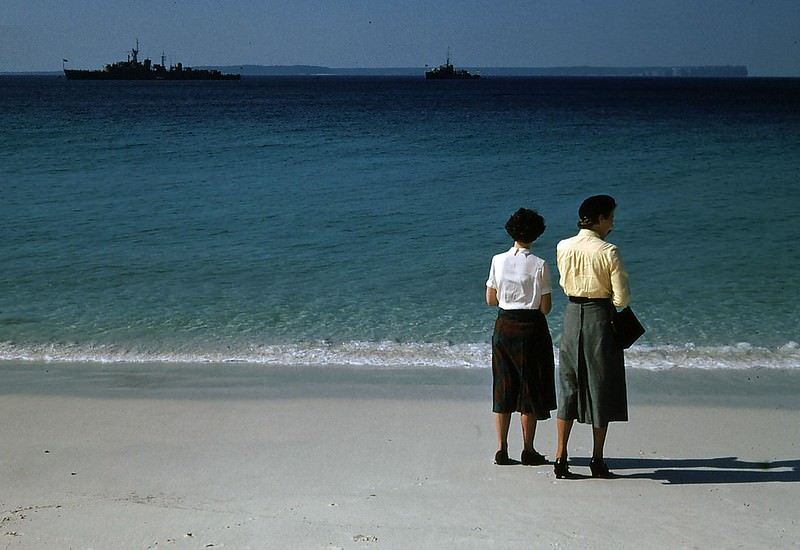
column 591, row 374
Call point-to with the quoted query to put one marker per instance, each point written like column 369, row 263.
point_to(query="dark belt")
column 521, row 315
column 582, row 300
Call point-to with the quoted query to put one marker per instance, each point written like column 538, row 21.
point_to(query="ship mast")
column 135, row 52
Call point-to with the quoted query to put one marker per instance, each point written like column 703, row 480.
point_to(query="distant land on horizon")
column 313, row 70
column 705, row 71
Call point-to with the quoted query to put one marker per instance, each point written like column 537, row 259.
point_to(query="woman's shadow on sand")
column 683, row 471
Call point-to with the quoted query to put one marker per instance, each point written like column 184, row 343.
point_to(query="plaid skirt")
column 523, row 370
column 591, row 367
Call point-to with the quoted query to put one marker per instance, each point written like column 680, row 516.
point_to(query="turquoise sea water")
column 333, row 220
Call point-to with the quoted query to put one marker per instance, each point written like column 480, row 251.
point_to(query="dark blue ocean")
column 352, row 220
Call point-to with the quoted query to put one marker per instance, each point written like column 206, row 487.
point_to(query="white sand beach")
column 241, row 456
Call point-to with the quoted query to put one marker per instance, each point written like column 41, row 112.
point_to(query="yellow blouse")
column 590, row 267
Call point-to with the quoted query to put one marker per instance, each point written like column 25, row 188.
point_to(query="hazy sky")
column 35, row 35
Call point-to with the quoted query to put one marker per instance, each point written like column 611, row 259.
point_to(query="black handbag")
column 627, row 327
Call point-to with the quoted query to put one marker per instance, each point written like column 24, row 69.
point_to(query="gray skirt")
column 591, row 371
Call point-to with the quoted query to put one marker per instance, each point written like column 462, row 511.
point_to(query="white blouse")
column 520, row 278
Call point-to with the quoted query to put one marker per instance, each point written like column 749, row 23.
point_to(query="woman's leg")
column 563, row 429
column 502, row 423
column 597, row 464
column 560, row 467
column 598, row 441
column 528, row 422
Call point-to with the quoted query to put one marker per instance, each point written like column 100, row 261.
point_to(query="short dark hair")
column 525, row 225
column 592, row 208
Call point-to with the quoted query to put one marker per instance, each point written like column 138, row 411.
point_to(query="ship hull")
column 430, row 75
column 200, row 74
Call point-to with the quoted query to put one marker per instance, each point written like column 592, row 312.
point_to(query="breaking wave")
column 392, row 355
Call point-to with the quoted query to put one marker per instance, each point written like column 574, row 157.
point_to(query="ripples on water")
column 351, row 221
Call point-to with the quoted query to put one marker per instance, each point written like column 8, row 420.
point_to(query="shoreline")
column 674, row 386
column 153, row 456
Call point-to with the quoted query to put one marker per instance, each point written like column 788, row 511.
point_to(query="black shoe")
column 532, row 458
column 501, row 458
column 599, row 468
column 561, row 469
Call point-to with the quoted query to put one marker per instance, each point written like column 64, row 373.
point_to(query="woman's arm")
column 491, row 296
column 620, row 292
column 546, row 304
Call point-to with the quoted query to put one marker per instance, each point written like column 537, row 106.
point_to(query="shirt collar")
column 590, row 233
column 514, row 250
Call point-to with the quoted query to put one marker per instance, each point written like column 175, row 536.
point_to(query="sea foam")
column 399, row 355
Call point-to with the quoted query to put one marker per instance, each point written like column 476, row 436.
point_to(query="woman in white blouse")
column 522, row 349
